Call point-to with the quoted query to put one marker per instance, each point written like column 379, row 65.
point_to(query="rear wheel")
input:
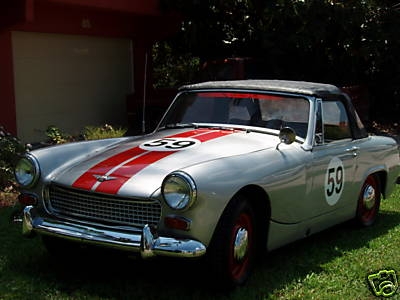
column 232, row 251
column 369, row 201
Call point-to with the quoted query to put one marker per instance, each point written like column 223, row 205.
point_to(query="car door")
column 334, row 159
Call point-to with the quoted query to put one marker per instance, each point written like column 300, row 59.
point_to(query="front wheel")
column 232, row 250
column 369, row 201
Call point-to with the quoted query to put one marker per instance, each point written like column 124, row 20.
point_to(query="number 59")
column 335, row 180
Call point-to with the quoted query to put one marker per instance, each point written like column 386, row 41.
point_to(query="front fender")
column 60, row 157
column 219, row 180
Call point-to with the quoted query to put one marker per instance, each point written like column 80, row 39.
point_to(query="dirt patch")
column 8, row 199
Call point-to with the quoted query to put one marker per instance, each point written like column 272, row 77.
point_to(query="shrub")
column 56, row 136
column 10, row 150
column 104, row 132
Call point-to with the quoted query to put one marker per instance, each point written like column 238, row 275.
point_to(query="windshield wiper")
column 231, row 127
column 181, row 125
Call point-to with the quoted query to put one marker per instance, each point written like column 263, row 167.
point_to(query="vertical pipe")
column 144, row 95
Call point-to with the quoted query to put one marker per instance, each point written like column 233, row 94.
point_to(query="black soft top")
column 296, row 87
column 322, row 90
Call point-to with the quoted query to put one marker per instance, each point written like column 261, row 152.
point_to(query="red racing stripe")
column 128, row 170
column 127, row 165
column 86, row 181
column 240, row 95
column 206, row 134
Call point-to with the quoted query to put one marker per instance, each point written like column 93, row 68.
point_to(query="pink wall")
column 7, row 99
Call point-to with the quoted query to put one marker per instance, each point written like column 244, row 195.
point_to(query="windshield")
column 235, row 108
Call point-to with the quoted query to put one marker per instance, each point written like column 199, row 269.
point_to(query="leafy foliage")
column 56, row 136
column 103, row 132
column 172, row 70
column 337, row 41
column 10, row 149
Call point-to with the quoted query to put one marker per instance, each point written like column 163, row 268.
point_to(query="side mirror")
column 287, row 136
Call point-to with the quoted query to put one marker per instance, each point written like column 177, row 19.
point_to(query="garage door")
column 70, row 82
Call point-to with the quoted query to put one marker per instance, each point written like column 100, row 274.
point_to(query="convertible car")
column 234, row 168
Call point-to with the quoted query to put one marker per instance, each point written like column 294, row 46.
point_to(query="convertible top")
column 287, row 86
column 297, row 87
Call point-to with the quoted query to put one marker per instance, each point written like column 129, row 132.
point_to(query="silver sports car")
column 234, row 168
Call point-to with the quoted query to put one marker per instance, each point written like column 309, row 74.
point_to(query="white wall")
column 69, row 81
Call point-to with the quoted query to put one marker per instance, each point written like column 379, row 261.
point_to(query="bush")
column 10, row 150
column 103, row 132
column 56, row 136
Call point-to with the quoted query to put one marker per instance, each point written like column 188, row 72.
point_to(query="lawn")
column 330, row 265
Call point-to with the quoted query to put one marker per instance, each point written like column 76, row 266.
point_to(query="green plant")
column 171, row 69
column 103, row 132
column 10, row 149
column 56, row 136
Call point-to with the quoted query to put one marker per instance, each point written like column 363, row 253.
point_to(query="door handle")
column 354, row 150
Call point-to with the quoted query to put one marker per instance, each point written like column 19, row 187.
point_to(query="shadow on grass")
column 112, row 275
column 295, row 261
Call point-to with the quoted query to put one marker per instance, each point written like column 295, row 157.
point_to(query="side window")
column 336, row 122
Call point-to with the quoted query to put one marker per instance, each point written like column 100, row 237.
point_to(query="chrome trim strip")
column 144, row 242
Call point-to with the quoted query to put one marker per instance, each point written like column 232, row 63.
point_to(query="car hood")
column 137, row 167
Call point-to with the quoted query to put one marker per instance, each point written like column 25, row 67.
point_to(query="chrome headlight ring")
column 179, row 190
column 27, row 171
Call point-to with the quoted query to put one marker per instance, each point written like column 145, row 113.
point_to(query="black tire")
column 232, row 251
column 369, row 201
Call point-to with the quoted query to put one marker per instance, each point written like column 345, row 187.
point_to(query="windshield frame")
column 250, row 128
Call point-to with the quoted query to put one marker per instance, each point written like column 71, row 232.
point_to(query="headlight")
column 179, row 190
column 27, row 171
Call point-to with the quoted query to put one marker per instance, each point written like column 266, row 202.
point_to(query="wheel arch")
column 369, row 199
column 260, row 201
column 382, row 181
column 381, row 176
column 228, row 271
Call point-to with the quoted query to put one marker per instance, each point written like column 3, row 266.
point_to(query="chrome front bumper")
column 146, row 243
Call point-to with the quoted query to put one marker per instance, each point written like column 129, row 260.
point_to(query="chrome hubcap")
column 241, row 242
column 369, row 197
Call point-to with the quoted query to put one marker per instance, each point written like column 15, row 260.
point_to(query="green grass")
column 330, row 265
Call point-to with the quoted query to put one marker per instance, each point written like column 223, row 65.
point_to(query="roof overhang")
column 121, row 15
column 286, row 86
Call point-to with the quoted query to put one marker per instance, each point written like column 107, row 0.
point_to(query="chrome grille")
column 109, row 209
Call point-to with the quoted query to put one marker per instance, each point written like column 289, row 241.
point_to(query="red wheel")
column 369, row 201
column 231, row 253
column 241, row 245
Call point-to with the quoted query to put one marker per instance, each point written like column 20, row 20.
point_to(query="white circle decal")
column 170, row 144
column 334, row 181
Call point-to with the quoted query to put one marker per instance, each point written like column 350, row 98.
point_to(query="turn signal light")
column 27, row 199
column 177, row 222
